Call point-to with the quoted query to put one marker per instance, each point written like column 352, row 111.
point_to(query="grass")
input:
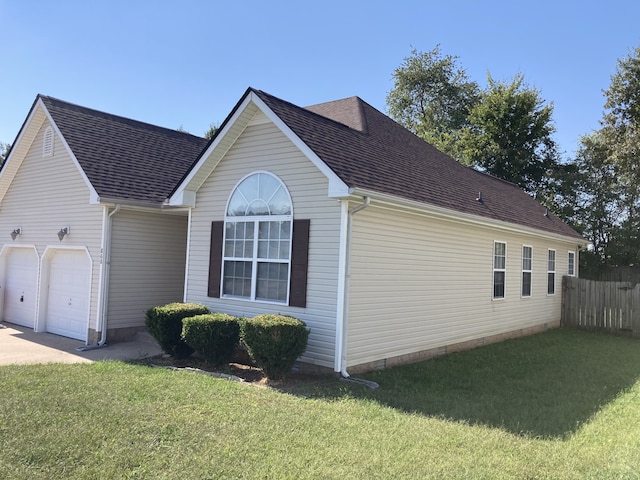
column 564, row 404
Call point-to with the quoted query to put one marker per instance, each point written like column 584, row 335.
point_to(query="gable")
column 125, row 160
column 31, row 143
column 47, row 189
column 250, row 109
column 121, row 160
column 362, row 152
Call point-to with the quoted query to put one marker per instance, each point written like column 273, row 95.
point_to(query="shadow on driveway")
column 21, row 345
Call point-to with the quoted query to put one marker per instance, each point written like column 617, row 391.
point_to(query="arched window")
column 257, row 240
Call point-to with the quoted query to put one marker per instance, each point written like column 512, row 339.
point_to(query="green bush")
column 274, row 342
column 165, row 324
column 214, row 336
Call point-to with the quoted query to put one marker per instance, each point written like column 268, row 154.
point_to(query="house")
column 88, row 242
column 388, row 249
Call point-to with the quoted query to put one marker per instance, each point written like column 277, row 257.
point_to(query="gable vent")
column 47, row 143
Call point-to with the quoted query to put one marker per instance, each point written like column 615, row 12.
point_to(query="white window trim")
column 555, row 260
column 255, row 260
column 494, row 270
column 256, row 219
column 530, row 271
column 569, row 272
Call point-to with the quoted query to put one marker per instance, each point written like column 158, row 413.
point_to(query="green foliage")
column 165, row 324
column 504, row 129
column 606, row 204
column 274, row 342
column 214, row 335
column 213, row 129
column 510, row 135
column 432, row 96
column 4, row 151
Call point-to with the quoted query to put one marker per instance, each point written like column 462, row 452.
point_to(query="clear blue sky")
column 186, row 63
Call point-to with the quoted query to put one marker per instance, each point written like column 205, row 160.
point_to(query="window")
column 551, row 273
column 571, row 267
column 257, row 240
column 527, row 255
column 499, row 268
column 47, row 142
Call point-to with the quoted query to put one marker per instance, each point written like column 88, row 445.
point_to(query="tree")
column 597, row 208
column 510, row 135
column 4, row 151
column 621, row 132
column 432, row 96
column 213, row 129
column 620, row 135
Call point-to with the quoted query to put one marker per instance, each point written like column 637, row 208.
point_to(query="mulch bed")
column 242, row 372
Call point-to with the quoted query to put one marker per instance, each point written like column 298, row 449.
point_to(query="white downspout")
column 341, row 341
column 186, row 263
column 103, row 288
column 105, row 275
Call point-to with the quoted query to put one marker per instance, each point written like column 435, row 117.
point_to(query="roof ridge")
column 102, row 113
column 360, row 125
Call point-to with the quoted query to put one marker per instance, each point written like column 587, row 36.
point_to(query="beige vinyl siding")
column 46, row 194
column 419, row 282
column 262, row 147
column 148, row 253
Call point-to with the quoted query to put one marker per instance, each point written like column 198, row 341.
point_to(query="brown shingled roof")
column 125, row 159
column 370, row 151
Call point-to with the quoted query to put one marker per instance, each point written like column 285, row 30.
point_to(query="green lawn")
column 564, row 404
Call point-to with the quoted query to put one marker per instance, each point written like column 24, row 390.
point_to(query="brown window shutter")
column 299, row 259
column 215, row 259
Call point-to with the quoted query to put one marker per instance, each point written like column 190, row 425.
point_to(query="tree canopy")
column 510, row 135
column 432, row 96
column 4, row 151
column 505, row 129
column 609, row 161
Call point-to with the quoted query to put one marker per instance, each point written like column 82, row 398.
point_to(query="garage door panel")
column 21, row 287
column 68, row 296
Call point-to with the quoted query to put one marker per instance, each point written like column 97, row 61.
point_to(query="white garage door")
column 69, row 288
column 21, row 287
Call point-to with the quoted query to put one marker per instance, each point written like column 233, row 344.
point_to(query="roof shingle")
column 125, row 159
column 370, row 151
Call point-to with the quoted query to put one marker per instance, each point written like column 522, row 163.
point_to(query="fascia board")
column 94, row 198
column 337, row 188
column 398, row 203
column 186, row 192
column 18, row 149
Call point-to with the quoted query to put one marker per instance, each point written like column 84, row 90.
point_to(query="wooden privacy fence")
column 610, row 306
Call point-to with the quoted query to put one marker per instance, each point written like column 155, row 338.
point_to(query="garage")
column 21, row 281
column 68, row 293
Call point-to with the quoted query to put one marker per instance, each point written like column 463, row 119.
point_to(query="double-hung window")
column 571, row 264
column 551, row 273
column 527, row 257
column 257, row 240
column 499, row 269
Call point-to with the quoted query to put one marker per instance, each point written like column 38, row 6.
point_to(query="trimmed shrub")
column 274, row 342
column 165, row 324
column 214, row 336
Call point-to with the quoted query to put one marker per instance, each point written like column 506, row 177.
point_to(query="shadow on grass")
column 547, row 385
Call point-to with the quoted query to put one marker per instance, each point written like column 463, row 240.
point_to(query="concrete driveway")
column 23, row 346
